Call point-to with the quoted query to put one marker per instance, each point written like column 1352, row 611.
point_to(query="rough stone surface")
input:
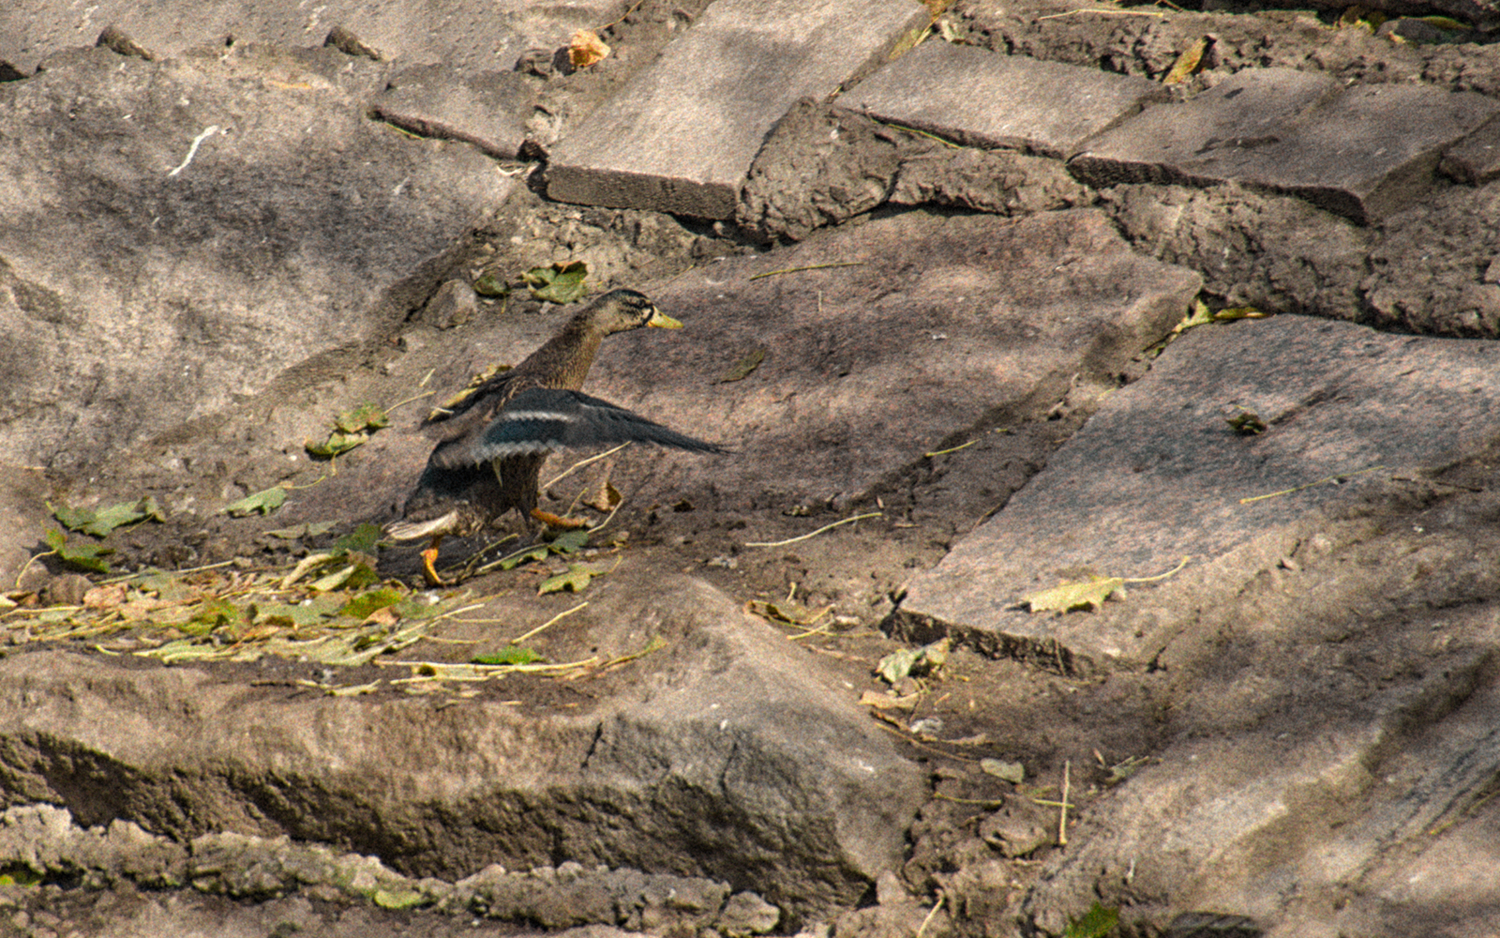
column 470, row 36
column 981, row 99
column 143, row 289
column 734, row 743
column 487, row 109
column 1363, row 152
column 1338, row 401
column 682, row 136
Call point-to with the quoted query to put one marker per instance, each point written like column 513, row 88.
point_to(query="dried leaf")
column 586, row 48
column 575, row 580
column 1012, row 772
column 1187, row 63
column 888, row 701
column 1081, row 594
column 105, row 597
column 913, row 662
column 743, row 368
column 608, row 498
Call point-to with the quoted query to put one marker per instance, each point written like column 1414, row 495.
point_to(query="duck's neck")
column 566, row 357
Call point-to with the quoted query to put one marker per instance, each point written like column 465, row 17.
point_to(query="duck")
column 491, row 440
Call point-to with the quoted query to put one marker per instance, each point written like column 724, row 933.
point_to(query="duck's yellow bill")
column 661, row 320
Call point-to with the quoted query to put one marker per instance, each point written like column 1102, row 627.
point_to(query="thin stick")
column 826, row 527
column 1334, row 478
column 414, row 397
column 584, row 462
column 552, row 621
column 1062, row 823
column 951, row 449
column 930, row 915
column 797, row 270
column 1053, row 16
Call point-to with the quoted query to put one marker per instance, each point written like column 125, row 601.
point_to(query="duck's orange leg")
column 429, row 559
column 557, row 521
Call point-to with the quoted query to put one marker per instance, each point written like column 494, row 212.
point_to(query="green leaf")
column 558, row 283
column 570, row 542
column 1081, row 594
column 363, row 417
column 1096, row 923
column 104, row 520
column 511, row 654
column 490, row 283
column 361, row 540
column 82, row 555
column 337, row 444
column 913, row 662
column 361, row 606
column 263, row 502
column 576, row 580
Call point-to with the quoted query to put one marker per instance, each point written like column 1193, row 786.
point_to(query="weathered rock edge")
column 45, row 841
column 731, row 758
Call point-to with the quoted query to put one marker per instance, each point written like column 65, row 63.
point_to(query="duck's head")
column 621, row 310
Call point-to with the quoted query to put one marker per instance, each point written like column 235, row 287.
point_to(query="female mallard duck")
column 492, row 442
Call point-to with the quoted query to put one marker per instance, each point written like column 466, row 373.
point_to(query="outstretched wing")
column 545, row 420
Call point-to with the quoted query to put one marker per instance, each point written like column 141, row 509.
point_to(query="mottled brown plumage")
column 491, row 443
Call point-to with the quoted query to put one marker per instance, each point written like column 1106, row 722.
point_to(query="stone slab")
column 1301, row 782
column 1475, row 159
column 932, row 324
column 680, row 137
column 468, row 35
column 179, row 236
column 1363, row 152
column 735, row 742
column 979, row 98
column 488, row 109
column 1157, row 474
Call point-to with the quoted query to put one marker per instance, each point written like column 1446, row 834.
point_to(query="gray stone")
column 488, row 109
column 1475, row 159
column 468, row 35
column 1336, row 805
column 1158, row 474
column 736, row 742
column 181, row 235
column 681, row 136
column 1362, row 152
column 978, row 98
column 867, row 367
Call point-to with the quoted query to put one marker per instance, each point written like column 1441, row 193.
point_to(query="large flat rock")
column 1363, row 152
column 179, row 236
column 730, row 739
column 1158, row 474
column 470, row 35
column 879, row 343
column 681, row 135
column 979, row 98
column 1331, row 791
